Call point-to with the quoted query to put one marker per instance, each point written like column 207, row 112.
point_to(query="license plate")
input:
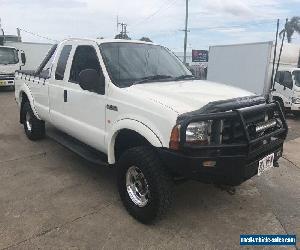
column 265, row 164
column 2, row 82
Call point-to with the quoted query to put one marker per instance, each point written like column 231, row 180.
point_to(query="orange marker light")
column 175, row 138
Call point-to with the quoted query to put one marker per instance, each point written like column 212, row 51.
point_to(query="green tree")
column 122, row 36
column 146, row 39
column 291, row 27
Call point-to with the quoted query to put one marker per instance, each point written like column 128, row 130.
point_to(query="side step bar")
column 88, row 153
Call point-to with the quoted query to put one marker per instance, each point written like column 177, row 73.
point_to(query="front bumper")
column 230, row 169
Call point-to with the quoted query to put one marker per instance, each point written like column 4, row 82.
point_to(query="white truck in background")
column 35, row 52
column 11, row 60
column 250, row 66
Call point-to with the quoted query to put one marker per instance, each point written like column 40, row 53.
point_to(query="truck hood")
column 8, row 69
column 186, row 96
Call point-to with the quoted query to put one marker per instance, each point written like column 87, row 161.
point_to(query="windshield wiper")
column 152, row 78
column 182, row 77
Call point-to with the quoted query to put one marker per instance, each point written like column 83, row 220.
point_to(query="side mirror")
column 89, row 79
column 23, row 58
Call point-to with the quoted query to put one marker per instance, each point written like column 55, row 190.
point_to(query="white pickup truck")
column 139, row 106
column 11, row 60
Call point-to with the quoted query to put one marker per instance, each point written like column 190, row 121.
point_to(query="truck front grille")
column 232, row 132
column 258, row 123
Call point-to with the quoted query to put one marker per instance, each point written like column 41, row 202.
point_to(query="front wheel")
column 145, row 188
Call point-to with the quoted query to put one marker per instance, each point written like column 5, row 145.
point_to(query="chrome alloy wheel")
column 28, row 120
column 137, row 186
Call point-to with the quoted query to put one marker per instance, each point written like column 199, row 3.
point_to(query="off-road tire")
column 37, row 130
column 159, row 181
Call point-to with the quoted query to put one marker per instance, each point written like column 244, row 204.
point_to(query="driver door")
column 85, row 110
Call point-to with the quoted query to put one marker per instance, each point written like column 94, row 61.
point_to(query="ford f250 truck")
column 137, row 107
column 10, row 61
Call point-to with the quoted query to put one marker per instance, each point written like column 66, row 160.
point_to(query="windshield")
column 8, row 56
column 132, row 63
column 297, row 78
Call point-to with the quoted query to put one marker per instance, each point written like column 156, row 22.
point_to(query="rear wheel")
column 34, row 128
column 144, row 186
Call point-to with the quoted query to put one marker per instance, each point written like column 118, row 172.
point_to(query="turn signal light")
column 175, row 138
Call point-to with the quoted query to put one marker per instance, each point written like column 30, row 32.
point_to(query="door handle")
column 65, row 95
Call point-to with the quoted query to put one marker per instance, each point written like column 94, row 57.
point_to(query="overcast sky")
column 210, row 22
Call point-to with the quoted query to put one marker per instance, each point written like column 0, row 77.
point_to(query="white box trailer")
column 35, row 52
column 249, row 66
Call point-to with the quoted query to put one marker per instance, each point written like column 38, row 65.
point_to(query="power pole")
column 124, row 30
column 186, row 29
column 117, row 24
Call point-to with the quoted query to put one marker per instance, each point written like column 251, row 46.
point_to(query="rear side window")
column 62, row 62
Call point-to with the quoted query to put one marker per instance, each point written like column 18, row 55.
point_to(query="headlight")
column 198, row 132
column 296, row 100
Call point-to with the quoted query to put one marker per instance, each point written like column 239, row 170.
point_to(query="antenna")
column 124, row 30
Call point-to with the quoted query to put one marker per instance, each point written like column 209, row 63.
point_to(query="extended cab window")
column 85, row 57
column 44, row 71
column 62, row 62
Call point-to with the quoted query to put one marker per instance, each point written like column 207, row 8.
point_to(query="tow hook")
column 229, row 189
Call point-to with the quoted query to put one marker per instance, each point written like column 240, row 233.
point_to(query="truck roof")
column 101, row 41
